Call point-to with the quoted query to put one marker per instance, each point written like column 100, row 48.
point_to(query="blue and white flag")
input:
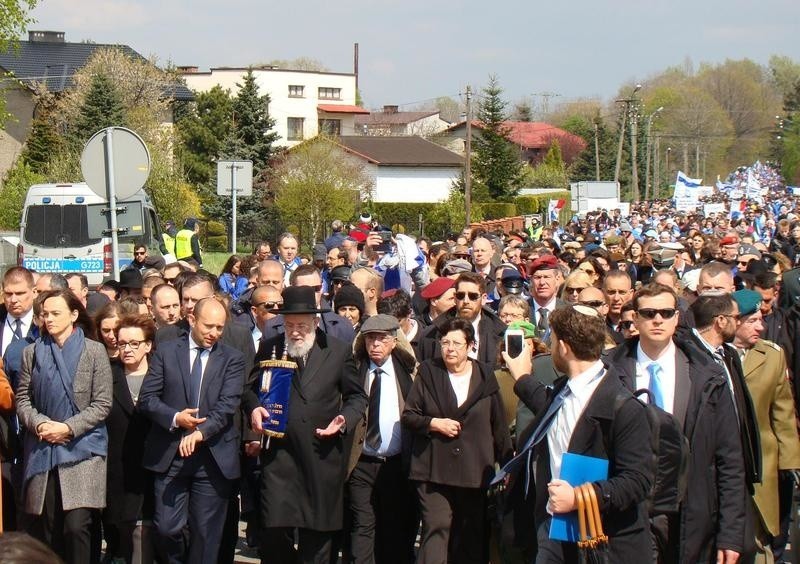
column 687, row 182
column 753, row 188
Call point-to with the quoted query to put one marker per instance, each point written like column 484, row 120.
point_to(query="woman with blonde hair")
column 574, row 284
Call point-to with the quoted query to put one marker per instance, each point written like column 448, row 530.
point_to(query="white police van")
column 54, row 233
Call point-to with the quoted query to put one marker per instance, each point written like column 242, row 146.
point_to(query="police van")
column 55, row 234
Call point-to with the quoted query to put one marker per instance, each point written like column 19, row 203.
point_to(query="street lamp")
column 627, row 101
column 647, row 160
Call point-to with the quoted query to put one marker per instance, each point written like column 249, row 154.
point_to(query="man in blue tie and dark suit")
column 192, row 393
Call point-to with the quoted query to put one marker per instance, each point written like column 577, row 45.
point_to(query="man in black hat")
column 303, row 473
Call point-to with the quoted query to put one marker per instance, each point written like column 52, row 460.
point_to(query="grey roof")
column 54, row 63
column 400, row 151
column 393, row 118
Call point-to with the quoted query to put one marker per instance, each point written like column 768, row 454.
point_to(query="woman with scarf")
column 63, row 399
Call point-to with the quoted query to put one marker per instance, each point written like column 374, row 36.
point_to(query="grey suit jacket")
column 82, row 484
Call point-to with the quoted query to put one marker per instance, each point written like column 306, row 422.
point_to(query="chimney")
column 187, row 69
column 46, row 36
column 390, row 109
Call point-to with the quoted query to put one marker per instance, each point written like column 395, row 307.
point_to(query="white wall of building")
column 411, row 184
column 277, row 83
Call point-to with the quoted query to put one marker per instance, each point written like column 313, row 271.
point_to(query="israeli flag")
column 687, row 182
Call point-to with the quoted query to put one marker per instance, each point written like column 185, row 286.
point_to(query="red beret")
column 437, row 288
column 729, row 240
column 358, row 234
column 546, row 262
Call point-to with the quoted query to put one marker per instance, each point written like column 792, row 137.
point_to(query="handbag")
column 592, row 543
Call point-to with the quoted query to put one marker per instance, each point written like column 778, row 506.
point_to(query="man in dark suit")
column 589, row 413
column 470, row 305
column 17, row 330
column 303, row 473
column 191, row 393
column 545, row 279
column 332, row 324
column 690, row 386
column 382, row 500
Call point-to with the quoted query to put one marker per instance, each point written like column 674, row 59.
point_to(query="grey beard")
column 300, row 351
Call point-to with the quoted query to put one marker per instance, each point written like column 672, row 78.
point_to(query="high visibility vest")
column 169, row 242
column 183, row 244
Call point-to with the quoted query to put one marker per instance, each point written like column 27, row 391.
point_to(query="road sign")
column 240, row 172
column 130, row 220
column 131, row 162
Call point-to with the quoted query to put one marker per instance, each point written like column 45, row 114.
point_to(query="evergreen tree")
column 102, row 107
column 202, row 132
column 43, row 142
column 251, row 138
column 523, row 111
column 496, row 163
column 583, row 167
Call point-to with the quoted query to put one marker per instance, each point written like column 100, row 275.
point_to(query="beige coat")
column 765, row 375
column 83, row 484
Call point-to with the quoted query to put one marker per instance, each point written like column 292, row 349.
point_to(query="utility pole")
column 627, row 101
column 657, row 166
column 596, row 152
column 666, row 167
column 647, row 160
column 634, row 159
column 468, row 160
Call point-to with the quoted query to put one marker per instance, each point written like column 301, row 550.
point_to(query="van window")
column 57, row 226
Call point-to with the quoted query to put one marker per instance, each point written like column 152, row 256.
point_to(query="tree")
column 451, row 214
column 43, row 140
column 317, row 182
column 14, row 20
column 496, row 162
column 584, row 165
column 251, row 138
column 15, row 186
column 202, row 132
column 522, row 111
column 101, row 108
column 551, row 172
column 300, row 63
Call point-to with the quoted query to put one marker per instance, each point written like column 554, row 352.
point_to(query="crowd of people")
column 369, row 402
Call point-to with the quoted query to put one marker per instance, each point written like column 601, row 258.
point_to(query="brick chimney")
column 188, row 69
column 390, row 109
column 46, row 36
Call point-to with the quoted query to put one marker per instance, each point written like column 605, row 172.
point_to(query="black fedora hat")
column 130, row 279
column 299, row 300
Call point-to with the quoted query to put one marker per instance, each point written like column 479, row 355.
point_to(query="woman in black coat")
column 130, row 487
column 459, row 431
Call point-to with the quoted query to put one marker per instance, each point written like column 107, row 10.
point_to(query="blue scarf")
column 52, row 379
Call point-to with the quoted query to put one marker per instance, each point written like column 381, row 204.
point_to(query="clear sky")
column 416, row 50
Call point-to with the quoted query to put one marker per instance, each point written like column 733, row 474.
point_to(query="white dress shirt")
column 460, row 385
column 193, row 352
column 389, row 410
column 8, row 330
column 549, row 306
column 667, row 363
column 473, row 352
column 559, row 434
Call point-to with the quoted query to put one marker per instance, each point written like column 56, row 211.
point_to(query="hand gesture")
column 186, row 419
column 333, row 428
column 447, row 427
column 54, row 432
column 189, row 443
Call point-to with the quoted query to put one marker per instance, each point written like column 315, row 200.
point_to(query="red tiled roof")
column 531, row 134
column 341, row 109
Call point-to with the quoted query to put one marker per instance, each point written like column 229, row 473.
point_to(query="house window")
column 296, row 90
column 294, row 127
column 330, row 126
column 330, row 93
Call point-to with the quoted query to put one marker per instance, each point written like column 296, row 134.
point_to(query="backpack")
column 671, row 458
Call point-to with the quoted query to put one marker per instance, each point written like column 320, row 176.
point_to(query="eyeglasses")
column 593, row 303
column 455, row 345
column 650, row 313
column 473, row 296
column 270, row 305
column 511, row 315
column 627, row 324
column 570, row 290
column 134, row 345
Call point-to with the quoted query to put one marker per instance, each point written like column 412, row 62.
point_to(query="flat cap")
column 340, row 273
column 456, row 267
column 380, row 323
column 437, row 288
column 748, row 301
column 746, row 249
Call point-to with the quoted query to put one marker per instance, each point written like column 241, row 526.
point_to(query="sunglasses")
column 626, row 325
column 593, row 303
column 140, row 253
column 587, row 270
column 570, row 290
column 270, row 305
column 473, row 296
column 665, row 313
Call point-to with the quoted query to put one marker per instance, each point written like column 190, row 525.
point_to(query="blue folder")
column 576, row 469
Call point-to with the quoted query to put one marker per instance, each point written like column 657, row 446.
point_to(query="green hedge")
column 497, row 210
column 538, row 203
column 215, row 229
column 217, row 243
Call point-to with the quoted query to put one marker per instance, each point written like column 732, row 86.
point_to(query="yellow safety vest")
column 183, row 244
column 169, row 242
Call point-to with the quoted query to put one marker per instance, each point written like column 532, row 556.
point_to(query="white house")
column 391, row 121
column 302, row 103
column 405, row 169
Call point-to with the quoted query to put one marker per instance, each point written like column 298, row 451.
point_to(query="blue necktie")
column 536, row 437
column 17, row 330
column 656, row 386
column 196, row 377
